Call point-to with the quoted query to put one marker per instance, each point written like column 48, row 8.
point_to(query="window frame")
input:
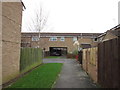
column 62, row 39
column 95, row 40
column 53, row 39
column 75, row 38
column 35, row 38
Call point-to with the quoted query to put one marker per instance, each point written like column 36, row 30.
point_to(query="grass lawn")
column 41, row 77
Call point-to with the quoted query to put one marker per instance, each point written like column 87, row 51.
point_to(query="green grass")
column 42, row 77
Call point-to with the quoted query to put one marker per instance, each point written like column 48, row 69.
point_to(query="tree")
column 38, row 22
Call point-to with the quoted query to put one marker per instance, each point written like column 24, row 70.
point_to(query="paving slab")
column 73, row 76
column 54, row 60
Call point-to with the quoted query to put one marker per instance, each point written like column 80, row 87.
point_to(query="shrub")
column 73, row 54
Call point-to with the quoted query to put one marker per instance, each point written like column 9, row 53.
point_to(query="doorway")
column 58, row 51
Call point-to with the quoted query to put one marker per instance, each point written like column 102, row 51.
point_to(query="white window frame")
column 75, row 38
column 62, row 39
column 53, row 39
column 35, row 38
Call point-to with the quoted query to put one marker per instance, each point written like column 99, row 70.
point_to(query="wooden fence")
column 109, row 63
column 30, row 57
column 89, row 62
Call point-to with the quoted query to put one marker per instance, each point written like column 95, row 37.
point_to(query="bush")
column 73, row 54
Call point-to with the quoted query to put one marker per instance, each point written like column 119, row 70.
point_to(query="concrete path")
column 72, row 75
column 54, row 60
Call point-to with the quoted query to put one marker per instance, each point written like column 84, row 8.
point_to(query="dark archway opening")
column 58, row 51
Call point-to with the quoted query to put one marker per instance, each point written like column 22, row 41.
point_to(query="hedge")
column 30, row 57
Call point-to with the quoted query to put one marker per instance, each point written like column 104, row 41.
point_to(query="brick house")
column 60, row 42
column 110, row 34
column 11, row 38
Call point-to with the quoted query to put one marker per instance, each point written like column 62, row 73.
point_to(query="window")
column 62, row 39
column 95, row 39
column 53, row 39
column 35, row 38
column 74, row 38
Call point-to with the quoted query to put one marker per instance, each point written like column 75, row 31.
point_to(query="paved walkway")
column 54, row 60
column 72, row 75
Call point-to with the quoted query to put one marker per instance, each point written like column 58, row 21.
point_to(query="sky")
column 73, row 16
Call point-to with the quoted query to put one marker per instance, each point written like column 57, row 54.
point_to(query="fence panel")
column 30, row 57
column 90, row 62
column 84, row 64
column 108, row 63
column 119, row 56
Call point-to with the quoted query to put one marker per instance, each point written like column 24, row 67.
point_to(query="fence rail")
column 109, row 64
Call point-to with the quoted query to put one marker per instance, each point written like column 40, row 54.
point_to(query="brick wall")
column 67, row 43
column 45, row 43
column 11, row 39
column 109, row 36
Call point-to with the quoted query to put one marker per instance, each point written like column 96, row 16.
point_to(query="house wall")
column 109, row 36
column 45, row 43
column 67, row 43
column 88, row 41
column 11, row 39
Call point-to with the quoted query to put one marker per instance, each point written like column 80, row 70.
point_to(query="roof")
column 101, row 35
column 43, row 34
column 20, row 1
column 115, row 30
column 22, row 4
column 116, row 27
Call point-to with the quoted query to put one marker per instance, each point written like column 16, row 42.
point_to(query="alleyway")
column 72, row 75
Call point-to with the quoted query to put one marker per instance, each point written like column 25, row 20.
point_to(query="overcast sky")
column 83, row 16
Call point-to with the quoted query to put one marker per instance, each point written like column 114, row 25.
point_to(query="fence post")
column 80, row 53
